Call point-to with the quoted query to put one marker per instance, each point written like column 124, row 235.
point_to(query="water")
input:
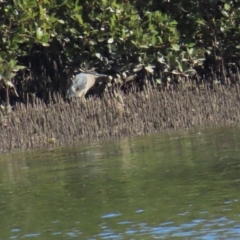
column 166, row 186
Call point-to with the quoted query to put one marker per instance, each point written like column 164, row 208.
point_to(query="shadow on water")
column 181, row 185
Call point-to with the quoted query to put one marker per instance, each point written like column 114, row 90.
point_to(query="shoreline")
column 150, row 111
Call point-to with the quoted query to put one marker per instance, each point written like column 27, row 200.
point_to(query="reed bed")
column 38, row 125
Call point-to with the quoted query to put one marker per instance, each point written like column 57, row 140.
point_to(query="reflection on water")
column 179, row 185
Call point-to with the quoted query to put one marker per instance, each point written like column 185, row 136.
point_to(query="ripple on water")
column 139, row 211
column 110, row 234
column 13, row 237
column 111, row 215
column 124, row 222
column 32, row 234
column 56, row 233
column 16, row 229
column 197, row 229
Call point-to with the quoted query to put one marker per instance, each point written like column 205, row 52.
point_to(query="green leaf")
column 9, row 83
column 12, row 63
column 191, row 45
column 175, row 72
column 9, row 75
column 190, row 51
column 180, row 66
column 73, row 30
column 110, row 40
column 61, row 21
column 130, row 78
column 18, row 67
column 154, row 40
column 160, row 39
column 227, row 6
column 224, row 13
column 190, row 71
column 45, row 38
column 175, row 47
column 99, row 56
column 112, row 22
column 138, row 68
column 150, row 68
column 39, row 33
column 45, row 44
column 78, row 18
column 201, row 22
column 144, row 46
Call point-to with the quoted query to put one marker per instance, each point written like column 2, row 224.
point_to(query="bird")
column 81, row 83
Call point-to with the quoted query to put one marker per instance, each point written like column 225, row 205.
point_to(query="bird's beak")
column 71, row 92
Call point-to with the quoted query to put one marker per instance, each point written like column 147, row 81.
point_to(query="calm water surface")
column 166, row 186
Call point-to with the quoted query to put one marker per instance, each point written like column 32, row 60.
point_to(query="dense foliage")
column 43, row 41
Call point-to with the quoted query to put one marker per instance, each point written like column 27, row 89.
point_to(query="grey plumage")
column 81, row 83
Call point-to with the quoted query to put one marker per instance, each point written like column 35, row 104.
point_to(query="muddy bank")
column 39, row 126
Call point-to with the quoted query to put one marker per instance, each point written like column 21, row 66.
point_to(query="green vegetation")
column 167, row 42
